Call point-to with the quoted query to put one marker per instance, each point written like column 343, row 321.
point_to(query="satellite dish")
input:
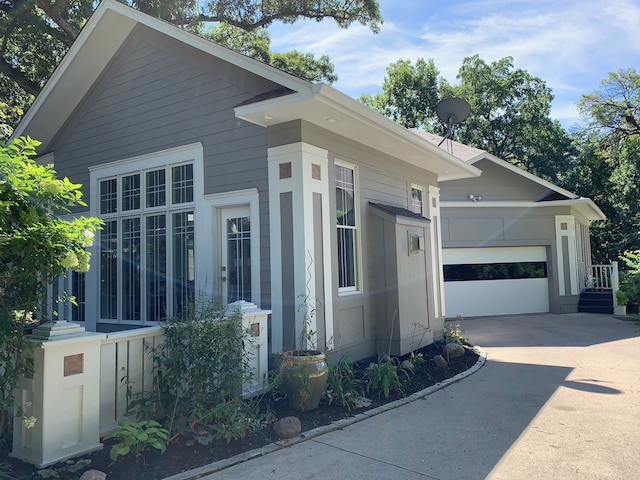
column 451, row 111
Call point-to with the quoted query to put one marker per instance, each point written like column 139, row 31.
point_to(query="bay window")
column 147, row 267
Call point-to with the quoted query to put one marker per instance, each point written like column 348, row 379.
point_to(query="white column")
column 566, row 228
column 433, row 212
column 302, row 170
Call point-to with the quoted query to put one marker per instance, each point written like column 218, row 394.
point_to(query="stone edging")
column 337, row 425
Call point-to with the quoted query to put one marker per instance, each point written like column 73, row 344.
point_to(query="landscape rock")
column 287, row 427
column 93, row 475
column 440, row 361
column 407, row 365
column 454, row 350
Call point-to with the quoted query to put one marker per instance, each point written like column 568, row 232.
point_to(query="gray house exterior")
column 512, row 242
column 218, row 176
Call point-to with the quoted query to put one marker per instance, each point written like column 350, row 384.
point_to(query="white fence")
column 125, row 355
column 81, row 376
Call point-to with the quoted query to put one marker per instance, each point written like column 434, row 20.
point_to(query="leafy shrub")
column 136, row 437
column 199, row 372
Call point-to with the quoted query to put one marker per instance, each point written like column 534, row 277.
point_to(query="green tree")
column 36, row 246
column 608, row 167
column 35, row 34
column 509, row 110
column 257, row 43
column 409, row 94
column 509, row 118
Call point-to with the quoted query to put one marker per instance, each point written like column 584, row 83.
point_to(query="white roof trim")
column 585, row 205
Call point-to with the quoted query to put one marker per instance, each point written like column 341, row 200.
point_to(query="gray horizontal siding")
column 157, row 94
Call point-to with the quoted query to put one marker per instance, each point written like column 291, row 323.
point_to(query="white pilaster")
column 433, row 212
column 566, row 228
column 309, row 174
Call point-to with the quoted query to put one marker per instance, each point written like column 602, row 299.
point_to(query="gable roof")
column 472, row 155
column 108, row 30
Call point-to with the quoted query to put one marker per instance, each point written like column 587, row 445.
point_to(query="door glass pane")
column 156, row 243
column 239, row 259
column 109, row 270
column 184, row 267
column 131, row 245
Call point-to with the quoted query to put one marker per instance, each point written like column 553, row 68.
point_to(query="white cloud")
column 571, row 45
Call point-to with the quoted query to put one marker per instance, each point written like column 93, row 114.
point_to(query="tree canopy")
column 509, row 110
column 608, row 167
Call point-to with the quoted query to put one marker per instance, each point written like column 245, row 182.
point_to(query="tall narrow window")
column 417, row 196
column 131, row 246
column 109, row 270
column 346, row 227
column 156, row 268
column 184, row 263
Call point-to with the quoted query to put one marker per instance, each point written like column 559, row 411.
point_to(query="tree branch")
column 20, row 78
column 54, row 11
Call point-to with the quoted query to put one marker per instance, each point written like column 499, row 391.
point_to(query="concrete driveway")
column 558, row 398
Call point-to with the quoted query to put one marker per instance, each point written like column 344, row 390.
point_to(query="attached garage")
column 495, row 281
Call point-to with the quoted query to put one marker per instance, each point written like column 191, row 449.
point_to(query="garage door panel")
column 496, row 297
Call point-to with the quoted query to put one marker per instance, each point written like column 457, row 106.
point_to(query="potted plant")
column 305, row 370
column 621, row 303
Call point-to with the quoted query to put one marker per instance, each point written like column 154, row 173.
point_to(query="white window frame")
column 422, row 190
column 188, row 154
column 357, row 288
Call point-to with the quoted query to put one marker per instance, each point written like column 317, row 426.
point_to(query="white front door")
column 236, row 254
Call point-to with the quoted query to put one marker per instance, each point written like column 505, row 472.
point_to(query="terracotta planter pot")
column 304, row 378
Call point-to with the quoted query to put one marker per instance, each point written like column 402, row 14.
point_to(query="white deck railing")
column 600, row 277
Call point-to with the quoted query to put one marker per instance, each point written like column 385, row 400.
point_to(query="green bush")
column 199, row 372
column 384, row 377
column 136, row 437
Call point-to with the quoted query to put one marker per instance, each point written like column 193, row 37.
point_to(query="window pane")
column 156, row 188
column 494, row 271
column 182, row 184
column 183, row 263
column 346, row 258
column 109, row 196
column 345, row 207
column 131, row 269
column 346, row 226
column 131, row 192
column 109, row 270
column 77, row 290
column 416, row 200
column 239, row 259
column 156, row 268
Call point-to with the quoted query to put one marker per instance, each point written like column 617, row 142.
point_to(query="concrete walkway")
column 558, row 398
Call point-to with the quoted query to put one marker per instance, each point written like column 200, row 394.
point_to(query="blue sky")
column 571, row 44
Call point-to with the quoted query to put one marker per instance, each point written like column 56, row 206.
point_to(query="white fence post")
column 63, row 396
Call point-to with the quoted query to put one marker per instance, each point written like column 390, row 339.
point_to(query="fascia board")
column 374, row 119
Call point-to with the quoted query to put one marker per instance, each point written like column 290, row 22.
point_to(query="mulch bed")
column 180, row 457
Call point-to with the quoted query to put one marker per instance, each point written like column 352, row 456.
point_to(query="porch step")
column 596, row 302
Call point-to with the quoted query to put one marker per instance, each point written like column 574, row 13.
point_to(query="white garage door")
column 495, row 281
